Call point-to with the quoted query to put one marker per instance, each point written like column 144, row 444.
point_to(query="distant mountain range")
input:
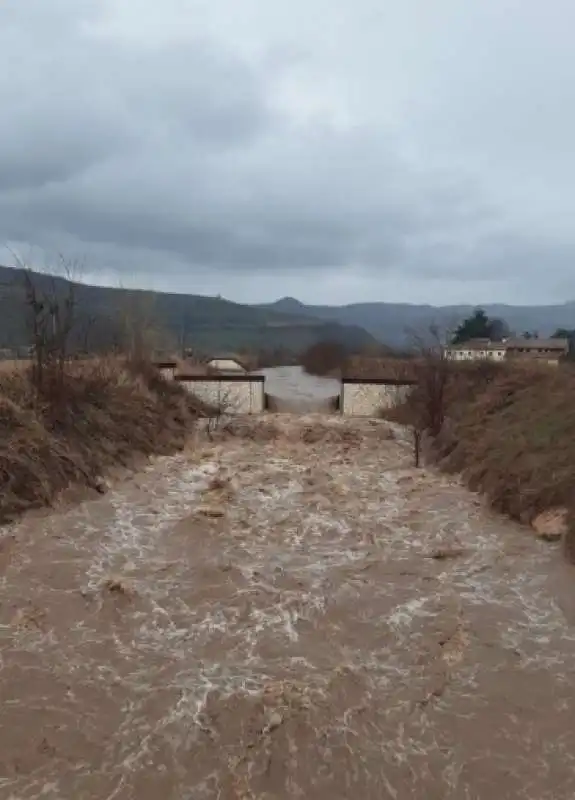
column 395, row 323
column 206, row 324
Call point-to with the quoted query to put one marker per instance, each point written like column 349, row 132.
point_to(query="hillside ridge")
column 395, row 323
column 201, row 322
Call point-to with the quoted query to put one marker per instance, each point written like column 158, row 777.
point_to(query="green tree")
column 479, row 326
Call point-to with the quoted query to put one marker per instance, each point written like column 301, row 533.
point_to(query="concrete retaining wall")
column 364, row 398
column 233, row 394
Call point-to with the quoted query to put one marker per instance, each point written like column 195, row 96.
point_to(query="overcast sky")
column 332, row 150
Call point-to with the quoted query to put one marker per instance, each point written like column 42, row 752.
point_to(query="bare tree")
column 142, row 333
column 51, row 316
column 426, row 407
column 223, row 407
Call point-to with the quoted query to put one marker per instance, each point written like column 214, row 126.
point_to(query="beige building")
column 545, row 350
column 542, row 350
column 229, row 363
column 476, row 349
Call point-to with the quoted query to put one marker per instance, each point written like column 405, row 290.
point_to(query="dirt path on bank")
column 289, row 613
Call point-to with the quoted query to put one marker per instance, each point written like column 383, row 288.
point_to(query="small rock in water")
column 211, row 511
column 275, row 721
column 551, row 525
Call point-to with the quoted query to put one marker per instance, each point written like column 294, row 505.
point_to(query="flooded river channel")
column 287, row 611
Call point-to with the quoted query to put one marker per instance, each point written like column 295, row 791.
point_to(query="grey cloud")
column 213, row 97
column 181, row 152
column 74, row 100
column 231, row 213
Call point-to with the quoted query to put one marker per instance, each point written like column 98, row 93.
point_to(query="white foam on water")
column 331, row 587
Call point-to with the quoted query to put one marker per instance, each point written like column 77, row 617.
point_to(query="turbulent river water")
column 297, row 389
column 287, row 611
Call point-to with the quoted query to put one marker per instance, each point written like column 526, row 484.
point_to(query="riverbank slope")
column 101, row 414
column 510, row 431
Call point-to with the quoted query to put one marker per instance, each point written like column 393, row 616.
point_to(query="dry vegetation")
column 330, row 359
column 11, row 365
column 515, row 440
column 67, row 416
column 112, row 413
column 359, row 366
column 509, row 431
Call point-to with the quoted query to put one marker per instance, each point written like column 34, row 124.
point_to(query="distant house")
column 541, row 350
column 229, row 363
column 476, row 349
column 546, row 350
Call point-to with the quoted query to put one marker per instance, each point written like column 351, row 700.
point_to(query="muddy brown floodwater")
column 289, row 612
column 296, row 390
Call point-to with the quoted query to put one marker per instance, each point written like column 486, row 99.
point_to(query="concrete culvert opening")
column 290, row 390
column 285, row 405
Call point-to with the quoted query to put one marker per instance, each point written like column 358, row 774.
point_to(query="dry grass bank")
column 9, row 365
column 511, row 433
column 368, row 367
column 108, row 415
column 338, row 364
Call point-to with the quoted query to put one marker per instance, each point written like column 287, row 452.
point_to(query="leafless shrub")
column 430, row 392
column 424, row 408
column 141, row 333
column 51, row 311
column 223, row 407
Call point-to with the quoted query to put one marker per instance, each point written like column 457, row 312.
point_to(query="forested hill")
column 394, row 323
column 205, row 323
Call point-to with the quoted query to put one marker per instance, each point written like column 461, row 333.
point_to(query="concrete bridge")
column 290, row 390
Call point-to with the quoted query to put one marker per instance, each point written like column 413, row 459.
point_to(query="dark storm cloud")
column 284, row 200
column 168, row 144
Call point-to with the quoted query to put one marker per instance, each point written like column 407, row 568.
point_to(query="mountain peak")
column 288, row 304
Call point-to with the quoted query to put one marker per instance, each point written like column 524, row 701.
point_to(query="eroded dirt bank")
column 329, row 623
